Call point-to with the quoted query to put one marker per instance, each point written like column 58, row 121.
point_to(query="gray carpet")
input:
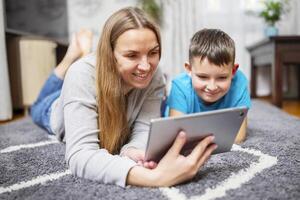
column 271, row 132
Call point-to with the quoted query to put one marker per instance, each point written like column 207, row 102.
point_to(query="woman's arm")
column 173, row 168
column 83, row 154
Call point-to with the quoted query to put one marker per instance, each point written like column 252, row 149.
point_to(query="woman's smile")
column 141, row 76
column 137, row 54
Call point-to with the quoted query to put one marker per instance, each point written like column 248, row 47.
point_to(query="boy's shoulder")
column 182, row 78
column 182, row 82
column 239, row 84
column 240, row 74
column 238, row 95
column 240, row 78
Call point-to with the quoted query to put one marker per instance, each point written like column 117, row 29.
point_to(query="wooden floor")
column 290, row 106
column 16, row 116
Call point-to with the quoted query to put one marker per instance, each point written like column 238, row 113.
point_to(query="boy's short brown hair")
column 213, row 44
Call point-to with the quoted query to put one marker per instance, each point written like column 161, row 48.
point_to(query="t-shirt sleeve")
column 243, row 93
column 83, row 154
column 244, row 99
column 177, row 98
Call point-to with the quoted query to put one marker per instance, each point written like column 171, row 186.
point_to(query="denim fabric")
column 40, row 111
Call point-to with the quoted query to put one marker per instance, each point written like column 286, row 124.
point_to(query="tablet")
column 224, row 124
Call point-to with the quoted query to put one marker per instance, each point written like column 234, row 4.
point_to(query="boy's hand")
column 139, row 157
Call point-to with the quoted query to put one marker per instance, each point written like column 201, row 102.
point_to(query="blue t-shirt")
column 184, row 98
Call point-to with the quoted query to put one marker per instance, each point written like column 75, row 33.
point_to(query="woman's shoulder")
column 83, row 69
column 80, row 77
column 85, row 65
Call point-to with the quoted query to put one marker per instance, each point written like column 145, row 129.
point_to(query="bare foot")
column 85, row 39
column 74, row 51
column 80, row 45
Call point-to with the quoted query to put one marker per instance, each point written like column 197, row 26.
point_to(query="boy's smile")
column 210, row 81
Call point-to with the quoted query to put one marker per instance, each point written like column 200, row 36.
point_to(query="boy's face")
column 210, row 81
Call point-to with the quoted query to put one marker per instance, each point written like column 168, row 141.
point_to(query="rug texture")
column 265, row 166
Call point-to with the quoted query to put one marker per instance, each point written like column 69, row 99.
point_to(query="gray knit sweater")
column 74, row 121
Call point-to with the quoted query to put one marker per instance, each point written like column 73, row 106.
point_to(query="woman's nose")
column 144, row 64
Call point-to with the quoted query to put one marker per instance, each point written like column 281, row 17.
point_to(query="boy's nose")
column 211, row 86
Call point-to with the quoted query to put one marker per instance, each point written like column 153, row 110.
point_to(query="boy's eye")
column 222, row 78
column 201, row 77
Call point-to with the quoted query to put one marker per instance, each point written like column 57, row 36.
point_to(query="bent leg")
column 40, row 111
column 52, row 84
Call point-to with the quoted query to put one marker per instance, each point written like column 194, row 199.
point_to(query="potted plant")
column 271, row 13
column 152, row 8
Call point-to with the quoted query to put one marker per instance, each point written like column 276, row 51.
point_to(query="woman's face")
column 137, row 55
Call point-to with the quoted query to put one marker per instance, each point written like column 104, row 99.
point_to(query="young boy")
column 212, row 81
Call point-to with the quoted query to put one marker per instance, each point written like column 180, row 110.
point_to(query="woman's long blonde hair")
column 112, row 105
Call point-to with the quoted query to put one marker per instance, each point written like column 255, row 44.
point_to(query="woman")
column 106, row 103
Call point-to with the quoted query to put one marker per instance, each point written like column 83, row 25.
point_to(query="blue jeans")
column 41, row 109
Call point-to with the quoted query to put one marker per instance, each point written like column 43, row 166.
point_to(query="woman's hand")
column 173, row 167
column 139, row 157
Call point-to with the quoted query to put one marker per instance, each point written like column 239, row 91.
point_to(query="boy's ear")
column 188, row 68
column 234, row 69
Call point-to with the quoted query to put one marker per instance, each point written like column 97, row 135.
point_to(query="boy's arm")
column 241, row 136
column 173, row 113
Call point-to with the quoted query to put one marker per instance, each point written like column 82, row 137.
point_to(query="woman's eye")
column 154, row 52
column 131, row 56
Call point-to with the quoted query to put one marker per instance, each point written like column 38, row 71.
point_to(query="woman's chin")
column 141, row 84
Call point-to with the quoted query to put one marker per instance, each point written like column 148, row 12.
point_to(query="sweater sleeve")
column 83, row 155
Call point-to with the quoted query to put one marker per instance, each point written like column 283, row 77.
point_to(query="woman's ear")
column 234, row 69
column 188, row 68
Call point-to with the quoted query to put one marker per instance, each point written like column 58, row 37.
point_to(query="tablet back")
column 224, row 124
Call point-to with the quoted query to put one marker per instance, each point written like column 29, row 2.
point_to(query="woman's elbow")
column 73, row 164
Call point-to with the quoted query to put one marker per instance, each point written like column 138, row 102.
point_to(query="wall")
column 92, row 14
column 5, row 98
column 41, row 17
